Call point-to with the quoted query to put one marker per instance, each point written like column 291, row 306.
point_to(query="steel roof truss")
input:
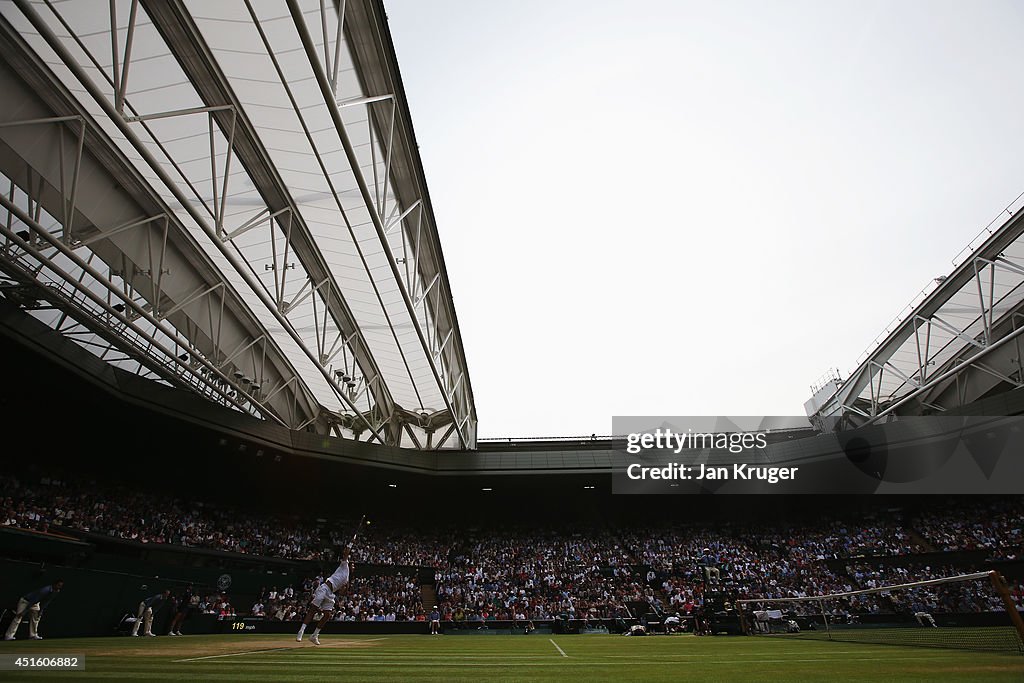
column 896, row 371
column 424, row 304
column 217, row 210
column 128, row 273
column 331, row 66
column 998, row 375
column 67, row 189
column 33, row 194
column 953, row 371
column 218, row 189
column 922, row 358
column 191, row 298
column 120, row 74
column 255, row 221
column 986, row 310
column 166, row 21
column 394, row 222
column 959, row 334
column 326, row 358
column 377, row 219
column 124, row 320
column 76, row 243
column 381, row 187
column 412, row 435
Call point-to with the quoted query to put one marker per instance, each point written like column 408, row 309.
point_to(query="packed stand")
column 994, row 525
column 369, row 598
column 746, row 568
column 149, row 517
column 494, row 573
column 975, row 595
column 531, row 574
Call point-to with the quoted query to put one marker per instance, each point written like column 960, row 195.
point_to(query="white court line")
column 355, row 653
column 272, row 649
column 234, row 654
column 575, row 662
column 695, row 659
column 557, row 648
column 347, row 655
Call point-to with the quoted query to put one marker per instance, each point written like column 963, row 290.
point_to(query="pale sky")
column 681, row 208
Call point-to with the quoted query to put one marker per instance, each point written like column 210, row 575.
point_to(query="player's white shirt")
column 340, row 576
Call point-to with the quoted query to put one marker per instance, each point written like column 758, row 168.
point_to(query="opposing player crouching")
column 324, row 597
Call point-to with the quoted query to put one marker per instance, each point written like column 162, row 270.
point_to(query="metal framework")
column 227, row 197
column 958, row 342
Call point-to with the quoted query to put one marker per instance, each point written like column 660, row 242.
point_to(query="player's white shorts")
column 323, row 597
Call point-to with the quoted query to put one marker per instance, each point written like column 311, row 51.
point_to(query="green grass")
column 590, row 658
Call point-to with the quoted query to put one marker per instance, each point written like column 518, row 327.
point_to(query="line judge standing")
column 147, row 608
column 33, row 603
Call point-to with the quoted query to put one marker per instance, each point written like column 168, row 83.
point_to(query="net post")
column 828, row 628
column 999, row 584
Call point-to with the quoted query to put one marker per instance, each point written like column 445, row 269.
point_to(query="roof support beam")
column 956, row 370
column 329, row 97
column 101, row 99
column 173, row 19
column 123, row 316
column 980, row 334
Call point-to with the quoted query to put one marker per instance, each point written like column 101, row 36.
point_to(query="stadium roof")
column 227, row 197
column 959, row 341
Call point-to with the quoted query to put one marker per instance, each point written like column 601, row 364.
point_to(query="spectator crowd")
column 507, row 573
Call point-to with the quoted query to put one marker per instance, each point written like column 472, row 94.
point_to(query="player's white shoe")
column 36, row 637
column 315, row 639
column 8, row 637
column 298, row 638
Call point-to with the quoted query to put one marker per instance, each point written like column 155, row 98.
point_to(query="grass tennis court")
column 590, row 658
column 512, row 658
